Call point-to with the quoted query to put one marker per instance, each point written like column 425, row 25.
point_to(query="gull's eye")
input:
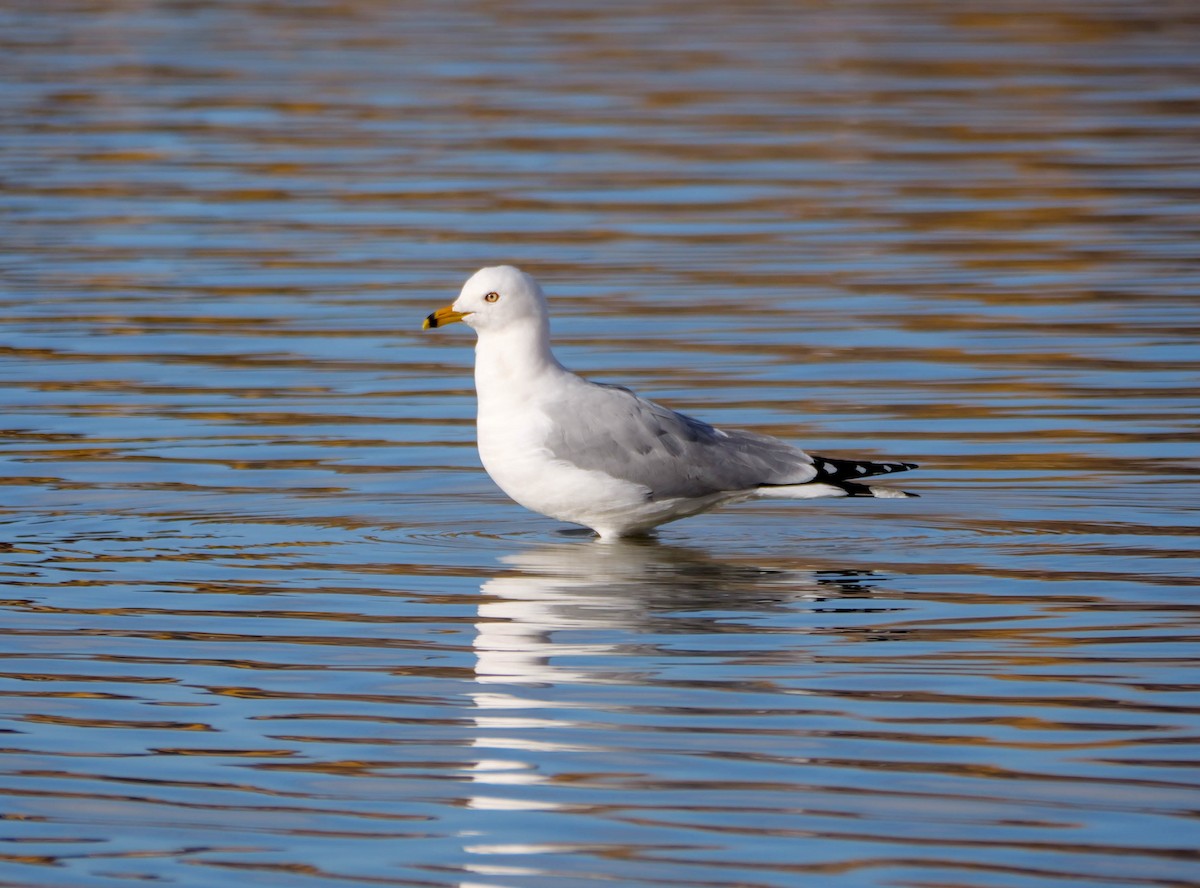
column 492, row 297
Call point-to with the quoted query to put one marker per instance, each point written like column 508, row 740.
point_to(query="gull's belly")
column 514, row 452
column 515, row 455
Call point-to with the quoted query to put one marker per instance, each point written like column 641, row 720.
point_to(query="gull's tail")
column 841, row 477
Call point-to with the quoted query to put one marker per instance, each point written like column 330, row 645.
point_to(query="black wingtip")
column 837, row 470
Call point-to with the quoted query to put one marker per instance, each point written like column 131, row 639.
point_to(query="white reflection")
column 558, row 628
column 548, row 609
column 587, row 613
column 555, row 589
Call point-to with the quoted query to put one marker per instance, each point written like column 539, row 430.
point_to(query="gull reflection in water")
column 639, row 587
column 568, row 617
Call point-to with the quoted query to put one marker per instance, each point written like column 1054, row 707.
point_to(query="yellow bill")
column 442, row 317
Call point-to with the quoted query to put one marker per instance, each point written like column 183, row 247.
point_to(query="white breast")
column 512, row 447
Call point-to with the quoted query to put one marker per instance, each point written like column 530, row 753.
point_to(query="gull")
column 598, row 455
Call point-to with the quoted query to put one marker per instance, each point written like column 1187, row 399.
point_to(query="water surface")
column 264, row 616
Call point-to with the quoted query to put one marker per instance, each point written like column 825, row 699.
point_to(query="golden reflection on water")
column 241, row 502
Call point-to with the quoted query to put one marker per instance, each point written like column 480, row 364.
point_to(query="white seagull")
column 600, row 456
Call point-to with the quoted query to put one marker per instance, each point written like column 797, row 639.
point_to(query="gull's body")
column 600, row 456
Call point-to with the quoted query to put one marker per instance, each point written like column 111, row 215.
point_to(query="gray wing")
column 610, row 429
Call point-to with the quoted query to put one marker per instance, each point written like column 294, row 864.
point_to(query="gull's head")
column 492, row 299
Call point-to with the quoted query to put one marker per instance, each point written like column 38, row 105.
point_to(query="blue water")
column 266, row 619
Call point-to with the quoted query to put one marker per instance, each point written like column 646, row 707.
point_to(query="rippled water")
column 264, row 617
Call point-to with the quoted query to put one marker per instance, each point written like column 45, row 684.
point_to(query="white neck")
column 510, row 360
